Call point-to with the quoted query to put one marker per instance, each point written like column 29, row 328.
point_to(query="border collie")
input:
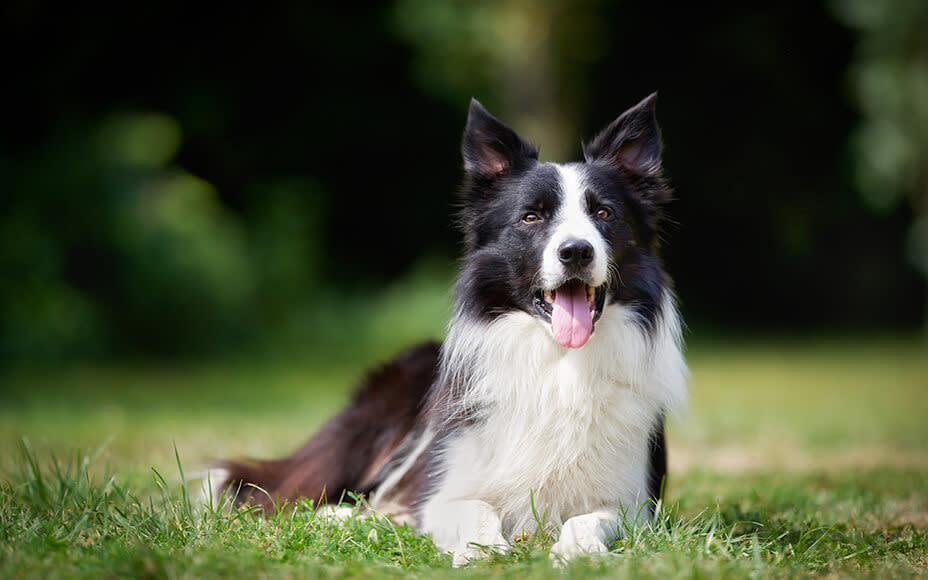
column 546, row 401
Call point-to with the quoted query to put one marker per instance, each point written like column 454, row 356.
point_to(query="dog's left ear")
column 632, row 142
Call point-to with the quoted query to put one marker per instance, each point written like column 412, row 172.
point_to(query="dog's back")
column 351, row 452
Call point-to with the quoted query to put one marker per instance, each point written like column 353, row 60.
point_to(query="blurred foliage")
column 156, row 262
column 282, row 180
column 890, row 80
column 528, row 60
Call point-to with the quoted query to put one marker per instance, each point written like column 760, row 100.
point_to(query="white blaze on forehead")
column 573, row 221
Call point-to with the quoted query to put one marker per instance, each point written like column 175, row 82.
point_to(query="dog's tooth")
column 549, row 296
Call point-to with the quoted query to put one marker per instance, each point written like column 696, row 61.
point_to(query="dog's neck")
column 513, row 360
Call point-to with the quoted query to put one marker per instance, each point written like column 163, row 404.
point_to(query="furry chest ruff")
column 546, row 401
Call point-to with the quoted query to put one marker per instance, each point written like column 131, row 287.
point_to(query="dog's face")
column 562, row 242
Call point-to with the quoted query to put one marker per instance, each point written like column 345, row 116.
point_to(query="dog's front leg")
column 586, row 534
column 464, row 528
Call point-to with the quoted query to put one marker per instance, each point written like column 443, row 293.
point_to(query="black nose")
column 575, row 253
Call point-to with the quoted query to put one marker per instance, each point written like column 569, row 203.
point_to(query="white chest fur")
column 566, row 429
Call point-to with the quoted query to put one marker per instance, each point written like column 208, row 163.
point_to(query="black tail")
column 349, row 452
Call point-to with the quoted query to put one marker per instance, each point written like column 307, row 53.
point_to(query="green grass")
column 797, row 457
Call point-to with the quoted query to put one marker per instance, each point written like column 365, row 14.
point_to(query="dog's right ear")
column 490, row 148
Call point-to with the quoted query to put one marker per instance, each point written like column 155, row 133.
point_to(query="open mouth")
column 572, row 308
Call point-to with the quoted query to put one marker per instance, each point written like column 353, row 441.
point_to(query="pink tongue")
column 570, row 318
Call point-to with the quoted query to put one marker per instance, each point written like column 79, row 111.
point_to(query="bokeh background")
column 182, row 181
column 214, row 218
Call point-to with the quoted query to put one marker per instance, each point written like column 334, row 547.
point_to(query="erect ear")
column 489, row 147
column 631, row 142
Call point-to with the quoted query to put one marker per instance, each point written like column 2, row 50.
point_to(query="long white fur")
column 567, row 429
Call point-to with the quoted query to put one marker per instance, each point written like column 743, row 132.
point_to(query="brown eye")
column 530, row 218
column 603, row 213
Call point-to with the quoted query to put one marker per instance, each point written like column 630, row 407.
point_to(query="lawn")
column 796, row 457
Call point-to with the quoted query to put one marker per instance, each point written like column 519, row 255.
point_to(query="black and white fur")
column 469, row 440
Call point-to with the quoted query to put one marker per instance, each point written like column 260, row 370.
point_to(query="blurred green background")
column 190, row 182
column 214, row 218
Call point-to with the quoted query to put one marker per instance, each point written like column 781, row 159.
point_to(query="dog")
column 545, row 403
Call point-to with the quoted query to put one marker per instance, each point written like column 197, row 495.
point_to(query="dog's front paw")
column 478, row 549
column 469, row 529
column 580, row 535
column 562, row 551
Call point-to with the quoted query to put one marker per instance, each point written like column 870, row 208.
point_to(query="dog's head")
column 562, row 242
